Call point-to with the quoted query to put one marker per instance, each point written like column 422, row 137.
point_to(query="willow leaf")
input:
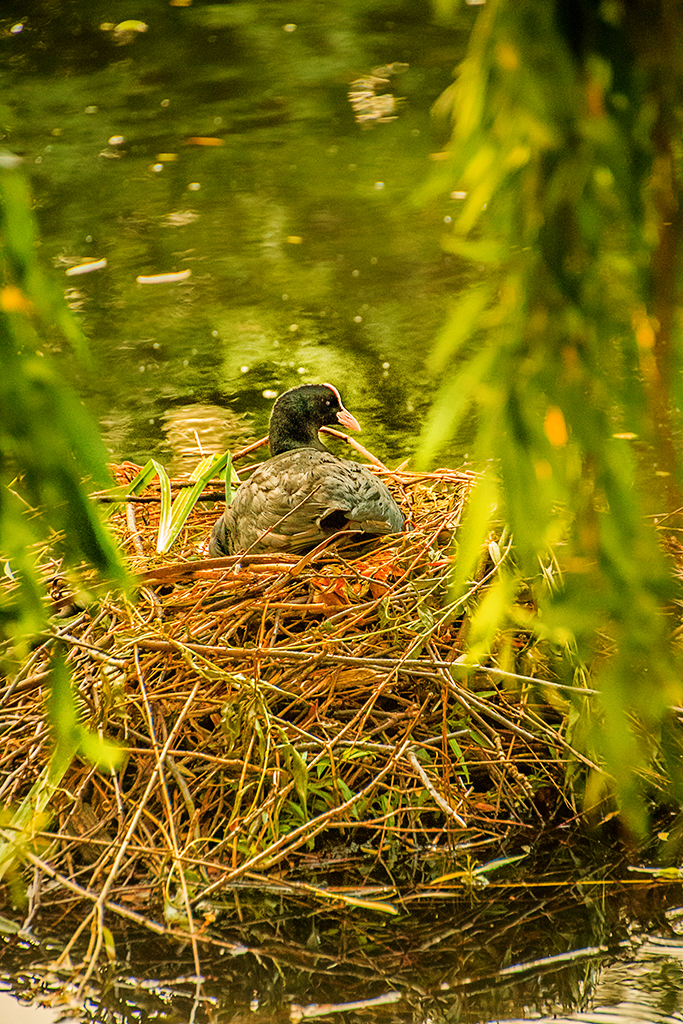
column 480, row 250
column 490, row 617
column 454, row 401
column 475, row 527
column 461, row 325
column 29, row 817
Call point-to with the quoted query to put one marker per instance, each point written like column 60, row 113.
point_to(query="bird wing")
column 299, row 498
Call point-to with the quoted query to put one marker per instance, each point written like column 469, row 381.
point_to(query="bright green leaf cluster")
column 565, row 165
column 48, row 443
column 173, row 514
column 48, row 446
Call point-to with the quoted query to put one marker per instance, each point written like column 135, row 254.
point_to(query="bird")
column 304, row 493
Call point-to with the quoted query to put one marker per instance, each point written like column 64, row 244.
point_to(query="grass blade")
column 173, row 518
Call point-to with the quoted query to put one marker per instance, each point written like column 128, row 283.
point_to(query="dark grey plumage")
column 304, row 493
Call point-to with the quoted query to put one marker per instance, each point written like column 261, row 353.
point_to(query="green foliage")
column 70, row 737
column 565, row 144
column 48, row 443
column 173, row 514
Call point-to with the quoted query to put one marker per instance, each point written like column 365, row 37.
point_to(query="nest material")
column 274, row 711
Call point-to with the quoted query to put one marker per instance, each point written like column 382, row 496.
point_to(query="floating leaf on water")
column 8, row 160
column 204, row 140
column 181, row 275
column 86, row 268
column 131, row 26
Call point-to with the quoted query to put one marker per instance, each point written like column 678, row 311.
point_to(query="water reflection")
column 645, row 989
column 370, row 99
column 14, row 1012
column 194, row 431
column 517, row 956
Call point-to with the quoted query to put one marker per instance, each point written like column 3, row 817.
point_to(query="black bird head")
column 299, row 414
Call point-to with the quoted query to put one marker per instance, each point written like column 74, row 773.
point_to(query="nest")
column 275, row 714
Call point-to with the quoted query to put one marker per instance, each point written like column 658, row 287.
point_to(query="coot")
column 304, row 493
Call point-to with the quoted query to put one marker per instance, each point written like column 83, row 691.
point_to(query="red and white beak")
column 344, row 416
column 347, row 420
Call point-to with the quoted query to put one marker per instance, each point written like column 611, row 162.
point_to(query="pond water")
column 268, row 155
column 578, row 952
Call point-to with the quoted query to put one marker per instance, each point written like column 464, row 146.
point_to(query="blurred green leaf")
column 460, row 326
column 484, row 250
column 48, row 442
column 481, row 510
column 29, row 817
column 490, row 616
column 453, row 402
column 568, row 335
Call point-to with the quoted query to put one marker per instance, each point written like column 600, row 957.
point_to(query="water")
column 569, row 953
column 222, row 141
column 228, row 140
